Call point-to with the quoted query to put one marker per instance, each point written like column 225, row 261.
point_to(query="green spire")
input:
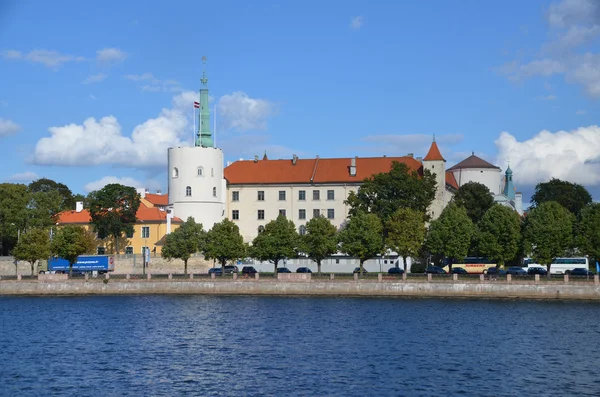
column 204, row 136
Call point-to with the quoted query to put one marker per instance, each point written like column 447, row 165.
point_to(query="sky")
column 95, row 92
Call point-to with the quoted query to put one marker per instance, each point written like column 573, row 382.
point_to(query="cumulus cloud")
column 125, row 181
column 102, row 141
column 95, row 78
column 568, row 155
column 26, row 176
column 239, row 112
column 51, row 59
column 147, row 82
column 110, row 55
column 357, row 22
column 8, row 127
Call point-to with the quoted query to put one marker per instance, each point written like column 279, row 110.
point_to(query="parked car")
column 537, row 270
column 249, row 270
column 495, row 271
column 357, row 270
column 303, row 270
column 435, row 270
column 516, row 271
column 580, row 271
column 395, row 270
column 283, row 270
column 459, row 270
column 217, row 271
column 230, row 269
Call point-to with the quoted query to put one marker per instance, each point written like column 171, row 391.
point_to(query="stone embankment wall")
column 567, row 291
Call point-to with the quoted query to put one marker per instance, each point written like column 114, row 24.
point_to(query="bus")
column 560, row 265
column 473, row 265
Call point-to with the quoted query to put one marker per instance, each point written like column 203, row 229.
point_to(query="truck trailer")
column 85, row 264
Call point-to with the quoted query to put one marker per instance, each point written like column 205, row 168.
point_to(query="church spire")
column 509, row 188
column 204, row 136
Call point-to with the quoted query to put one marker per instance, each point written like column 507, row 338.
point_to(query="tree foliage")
column 278, row 241
column 13, row 214
column 450, row 235
column 224, row 242
column 320, row 240
column 588, row 231
column 362, row 237
column 382, row 194
column 43, row 207
column 32, row 247
column 113, row 210
column 476, row 198
column 572, row 196
column 499, row 234
column 548, row 232
column 68, row 243
column 45, row 185
column 184, row 241
column 406, row 233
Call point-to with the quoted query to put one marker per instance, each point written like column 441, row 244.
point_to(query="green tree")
column 113, row 211
column 45, row 185
column 32, row 247
column 572, row 196
column 406, row 233
column 184, row 241
column 320, row 240
column 68, row 243
column 548, row 232
column 450, row 235
column 14, row 198
column 382, row 194
column 362, row 237
column 476, row 198
column 224, row 243
column 43, row 208
column 278, row 241
column 588, row 231
column 499, row 234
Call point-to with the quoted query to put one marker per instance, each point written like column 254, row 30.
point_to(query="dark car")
column 580, row 271
column 459, row 270
column 516, row 271
column 357, row 270
column 495, row 271
column 303, row 270
column 217, row 271
column 230, row 269
column 395, row 270
column 249, row 270
column 435, row 270
column 537, row 270
column 283, row 270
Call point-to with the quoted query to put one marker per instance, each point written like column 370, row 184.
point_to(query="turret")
column 204, row 136
column 436, row 164
column 509, row 188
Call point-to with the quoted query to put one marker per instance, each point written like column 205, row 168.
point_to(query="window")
column 101, row 250
column 261, row 195
column 145, row 231
column 301, row 214
column 212, row 172
column 330, row 195
column 261, row 214
column 316, row 213
column 302, row 195
column 128, row 250
column 175, row 172
column 302, row 230
column 261, row 229
column 330, row 213
column 144, row 249
column 188, row 191
column 235, row 196
column 129, row 233
column 316, row 195
column 200, row 171
column 282, row 195
column 282, row 212
column 214, row 192
column 235, row 215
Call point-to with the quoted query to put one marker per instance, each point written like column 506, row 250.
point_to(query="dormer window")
column 175, row 172
column 200, row 171
column 188, row 191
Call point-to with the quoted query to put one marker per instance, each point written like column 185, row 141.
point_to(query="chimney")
column 410, row 155
column 256, row 159
column 159, row 192
column 146, row 190
column 420, row 159
column 141, row 192
column 79, row 206
column 353, row 167
column 294, row 159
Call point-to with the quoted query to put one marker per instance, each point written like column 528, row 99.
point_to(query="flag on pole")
column 196, row 104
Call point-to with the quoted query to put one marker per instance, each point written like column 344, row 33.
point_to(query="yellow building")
column 149, row 231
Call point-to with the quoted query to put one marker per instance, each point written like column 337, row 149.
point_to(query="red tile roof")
column 451, row 180
column 311, row 170
column 434, row 153
column 157, row 199
column 144, row 213
column 473, row 162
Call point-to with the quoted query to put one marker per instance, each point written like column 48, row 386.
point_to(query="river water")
column 274, row 346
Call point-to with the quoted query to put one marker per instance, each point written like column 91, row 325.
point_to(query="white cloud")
column 125, row 181
column 548, row 98
column 110, row 55
column 240, row 112
column 8, row 127
column 147, row 82
column 26, row 176
column 567, row 155
column 357, row 22
column 95, row 78
column 580, row 112
column 101, row 141
column 51, row 59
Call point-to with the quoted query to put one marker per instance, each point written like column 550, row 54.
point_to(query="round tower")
column 196, row 184
column 436, row 164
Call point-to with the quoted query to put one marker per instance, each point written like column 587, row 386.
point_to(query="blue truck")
column 85, row 264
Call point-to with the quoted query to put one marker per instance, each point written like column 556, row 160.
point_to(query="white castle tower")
column 196, row 184
column 435, row 163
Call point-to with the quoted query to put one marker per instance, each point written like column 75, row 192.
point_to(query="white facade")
column 442, row 196
column 196, row 184
column 490, row 177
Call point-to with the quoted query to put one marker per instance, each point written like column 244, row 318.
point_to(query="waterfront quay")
column 374, row 285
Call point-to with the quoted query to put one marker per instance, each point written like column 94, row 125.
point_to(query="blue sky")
column 95, row 91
